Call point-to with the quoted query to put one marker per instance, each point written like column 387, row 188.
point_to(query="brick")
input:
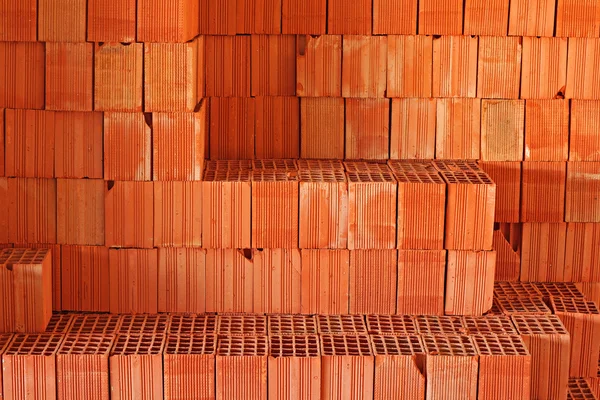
column 522, row 305
column 259, row 17
column 490, row 325
column 527, row 18
column 409, row 66
column 364, row 66
column 583, row 192
column 273, row 64
column 584, row 142
column 23, row 69
column 5, row 339
column 231, row 325
column 580, row 388
column 61, row 20
column 515, row 290
column 84, row 278
column 322, row 127
column 80, row 211
column 390, row 325
column 577, row 18
column 502, row 130
column 218, row 17
column 176, row 21
column 144, row 324
column 177, row 214
column 373, row 274
column 583, row 79
column 78, row 141
column 324, row 286
column 486, row 17
column 111, row 21
column 133, row 281
column 353, row 325
column 227, row 62
column 582, row 258
column 291, row 325
column 543, row 252
column 118, row 79
column 277, row 281
column 499, row 67
column 2, row 141
column 174, row 75
column 507, row 177
column 318, row 65
column 181, row 280
column 129, row 214
column 69, row 76
column 344, row 20
column 307, row 18
column 229, row 271
column 367, row 128
column 395, row 17
column 192, row 324
column 127, row 147
column 413, row 129
column 454, row 66
column 565, row 290
column 547, row 127
column 543, row 192
column 421, row 275
column 458, row 132
column 440, row 17
column 19, row 21
column 277, row 127
column 232, row 118
column 544, row 72
column 591, row 290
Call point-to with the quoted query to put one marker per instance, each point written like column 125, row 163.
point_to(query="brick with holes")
column 241, row 325
column 290, row 325
column 187, row 324
column 523, row 305
column 515, row 289
column 341, row 325
column 5, row 340
column 549, row 290
column 144, row 324
column 440, row 325
column 489, row 325
column 580, row 389
column 392, row 325
column 60, row 323
column 94, row 324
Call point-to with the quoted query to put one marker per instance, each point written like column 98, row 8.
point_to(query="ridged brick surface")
column 232, row 128
column 218, row 17
column 277, row 281
column 228, row 281
column 499, row 67
column 111, row 20
column 4, row 341
column 2, row 141
column 502, row 130
column 364, row 66
column 69, row 76
column 584, row 144
column 582, row 202
column 547, row 127
column 543, row 252
column 582, row 77
column 395, row 17
column 133, row 281
column 127, row 147
column 23, row 89
column 181, row 280
column 175, row 21
column 539, row 180
column 322, row 127
column 409, row 66
column 129, row 214
column 80, row 211
column 373, row 274
column 84, row 278
column 325, row 274
column 23, row 11
column 259, row 17
column 177, row 214
column 454, row 66
column 544, row 68
column 318, row 65
column 60, row 21
column 458, row 129
column 529, row 18
column 507, row 177
column 367, row 129
column 277, row 127
column 484, row 17
column 582, row 255
column 469, row 282
column 413, row 128
column 440, row 17
column 228, row 65
column 508, row 259
column 577, row 18
column 309, row 18
column 344, row 20
column 421, row 283
column 273, row 65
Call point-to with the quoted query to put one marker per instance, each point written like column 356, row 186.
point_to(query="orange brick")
column 273, row 65
column 367, row 128
column 177, row 214
column 421, row 282
column 583, row 192
column 454, row 66
column 129, row 209
column 304, row 17
column 531, row 18
column 259, row 17
column 543, row 192
column 322, row 127
column 78, row 140
column 583, row 78
column 470, row 282
column 364, row 66
column 544, row 72
column 319, row 66
column 118, row 77
column 127, row 147
column 325, row 275
column 413, row 129
column 547, row 130
column 218, row 17
column 582, row 258
column 277, row 281
column 61, row 20
column 173, row 75
column 440, row 17
column 69, row 76
column 543, row 252
column 499, row 67
column 584, row 140
column 111, row 21
column 175, row 21
column 507, row 177
column 277, row 127
column 373, row 276
column 409, row 66
column 344, row 20
column 85, row 278
column 181, row 280
column 508, row 259
column 229, row 271
column 22, row 69
column 394, row 17
column 80, row 211
column 486, row 17
column 18, row 20
column 133, row 281
column 502, row 130
column 232, row 128
column 458, row 133
column 2, row 141
column 577, row 18
column 228, row 66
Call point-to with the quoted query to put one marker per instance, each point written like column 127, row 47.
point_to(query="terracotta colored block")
column 318, row 65
column 516, row 290
column 353, row 325
column 413, row 129
column 218, row 17
column 522, row 305
column 583, row 189
column 129, row 214
column 188, row 324
column 253, row 325
column 469, row 282
column 582, row 75
column 544, row 72
column 80, row 211
column 499, row 67
column 373, row 277
column 543, row 192
column 507, row 177
column 484, row 17
column 367, row 128
column 324, row 286
column 174, row 75
column 227, row 62
column 547, row 128
column 543, row 252
column 229, row 281
column 22, row 69
column 189, row 367
column 176, row 21
column 177, row 214
column 409, row 66
column 344, row 20
column 347, row 367
column 566, row 290
column 390, row 325
column 118, row 79
column 19, row 20
column 421, row 275
column 281, row 325
column 259, row 17
column 5, row 339
column 82, row 367
column 591, row 290
column 490, row 325
column 144, row 324
column 273, row 65
column 29, row 365
column 531, row 18
column 136, row 367
column 111, row 21
column 577, row 18
column 69, row 76
column 584, row 141
column 421, row 205
column 127, row 147
column 277, row 127
column 232, row 127
column 502, row 130
column 61, row 20
column 395, row 17
column 580, row 388
column 277, row 281
column 2, row 141
column 307, row 18
column 454, row 66
column 364, row 66
column 322, row 127
column 275, row 209
column 458, row 132
column 440, row 17
column 133, row 281
column 84, row 279
column 582, row 258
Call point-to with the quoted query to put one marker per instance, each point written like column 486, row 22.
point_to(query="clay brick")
column 580, row 388
column 307, row 18
column 584, row 141
column 181, row 280
column 228, row 281
column 252, row 325
column 420, row 188
column 233, row 166
column 373, row 277
column 544, row 72
column 528, row 18
column 594, row 385
column 175, row 21
column 218, row 17
column 364, row 66
column 118, row 77
column 69, row 76
column 582, row 256
column 324, row 284
column 5, row 339
column 94, row 324
column 2, row 141
column 504, row 289
column 502, row 130
column 147, row 324
column 353, row 325
column 318, row 65
column 22, row 69
column 127, row 147
column 60, row 323
column 232, row 127
column 469, row 282
column 227, row 62
column 277, row 281
column 577, row 18
column 61, row 20
column 273, row 65
column 547, row 130
column 174, row 76
column 367, row 128
column 259, row 17
column 543, row 252
column 413, row 129
column 483, row 17
column 565, row 290
column 277, row 127
column 111, row 21
column 440, row 17
column 543, row 192
column 344, row 20
column 489, row 325
column 177, row 214
column 591, row 290
column 133, row 280
column 508, row 258
column 522, row 305
column 18, row 20
column 395, row 17
column 192, row 324
column 290, row 325
column 129, row 214
column 583, row 189
column 391, row 325
column 458, row 132
column 80, row 211
column 322, row 127
column 454, row 66
column 409, row 66
column 583, row 78
column 421, row 282
column 507, row 177
column 499, row 67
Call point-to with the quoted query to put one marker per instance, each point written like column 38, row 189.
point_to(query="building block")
column 318, row 65
column 69, row 76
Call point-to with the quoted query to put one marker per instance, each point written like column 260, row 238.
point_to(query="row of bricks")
column 181, row 20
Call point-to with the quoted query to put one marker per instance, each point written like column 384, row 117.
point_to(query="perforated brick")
column 220, row 165
column 415, row 171
column 449, row 345
column 189, row 324
column 243, row 346
column 462, row 172
column 5, row 339
column 539, row 325
column 501, row 345
column 522, row 305
column 386, row 345
column 341, row 324
column 365, row 172
column 44, row 344
column 279, row 165
column 558, row 289
column 516, row 289
column 292, row 324
column 138, row 344
column 144, row 324
column 95, row 324
column 440, row 325
column 241, row 325
column 23, row 256
column 228, row 175
column 346, row 345
column 319, row 165
column 573, row 305
column 315, row 175
column 579, row 389
column 489, row 325
column 86, row 345
column 394, row 325
column 294, row 346
column 204, row 345
column 60, row 323
column 274, row 175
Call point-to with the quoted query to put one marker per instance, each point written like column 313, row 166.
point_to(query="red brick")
column 319, row 65
column 543, row 252
column 458, row 133
column 129, row 214
column 2, row 141
column 133, row 281
column 469, row 282
column 78, row 140
column 227, row 62
column 367, row 128
column 547, row 128
column 61, row 20
column 277, row 281
column 583, row 192
column 364, row 66
column 522, row 305
column 177, row 214
column 421, row 284
column 322, row 127
column 192, row 324
column 181, row 280
column 127, row 147
column 583, row 78
column 507, row 177
column 391, row 325
column 69, row 76
column 242, row 325
column 502, row 130
column 291, row 325
column 351, row 325
column 529, row 18
column 543, row 192
column 175, row 21
column 440, row 17
column 111, row 21
column 485, row 17
column 584, row 141
column 344, row 20
column 304, row 17
column 228, row 271
column 499, row 67
column 454, row 66
column 218, row 17
column 277, row 127
column 18, row 20
column 373, row 277
column 273, row 65
column 84, row 278
column 582, row 258
column 80, row 211
column 506, row 244
column 324, row 286
column 259, row 17
column 577, row 18
column 395, row 17
column 232, row 118
column 544, row 72
column 409, row 66
column 413, row 129
column 22, row 69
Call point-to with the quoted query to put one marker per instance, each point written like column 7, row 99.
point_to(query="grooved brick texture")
column 454, row 66
column 344, row 20
column 232, row 127
column 129, row 214
column 133, row 281
column 584, row 143
column 373, row 276
column 499, row 67
column 508, row 259
column 61, row 20
column 502, row 130
column 322, row 127
column 546, row 130
column 507, row 177
column 273, row 65
column 543, row 252
column 531, row 18
column 577, row 18
column 486, row 17
column 229, row 276
column 324, row 284
column 69, row 76
column 111, row 21
column 367, row 128
column 177, row 214
column 469, row 282
column 277, row 281
column 583, row 188
column 22, row 69
column 544, row 72
column 395, row 17
column 543, row 192
column 228, row 68
column 173, row 21
column 181, row 280
column 277, row 127
column 304, row 17
column 364, row 66
column 413, row 128
column 23, row 11
column 218, row 17
column 458, row 129
column 440, row 17
column 421, row 282
column 582, row 256
column 259, row 17
column 583, row 78
column 409, row 66
column 318, row 65
column 80, row 211
column 84, row 278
